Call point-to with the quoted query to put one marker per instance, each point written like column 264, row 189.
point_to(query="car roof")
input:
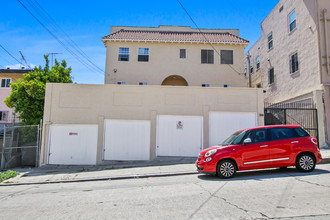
column 273, row 126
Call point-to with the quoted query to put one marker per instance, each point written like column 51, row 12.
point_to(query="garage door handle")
column 294, row 142
column 264, row 146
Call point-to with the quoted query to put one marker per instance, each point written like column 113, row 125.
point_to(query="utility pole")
column 53, row 54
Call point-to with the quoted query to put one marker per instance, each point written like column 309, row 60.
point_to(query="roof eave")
column 167, row 41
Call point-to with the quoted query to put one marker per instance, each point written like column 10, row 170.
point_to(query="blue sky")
column 86, row 22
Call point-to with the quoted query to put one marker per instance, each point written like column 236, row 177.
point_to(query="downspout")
column 326, row 39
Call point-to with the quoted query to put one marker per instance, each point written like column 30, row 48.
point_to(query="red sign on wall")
column 73, row 133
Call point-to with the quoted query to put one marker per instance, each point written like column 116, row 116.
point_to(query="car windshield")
column 234, row 138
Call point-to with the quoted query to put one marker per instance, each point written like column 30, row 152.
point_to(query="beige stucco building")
column 291, row 60
column 174, row 55
column 93, row 124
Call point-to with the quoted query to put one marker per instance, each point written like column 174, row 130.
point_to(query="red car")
column 261, row 147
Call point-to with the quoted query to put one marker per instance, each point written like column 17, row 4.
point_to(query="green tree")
column 28, row 94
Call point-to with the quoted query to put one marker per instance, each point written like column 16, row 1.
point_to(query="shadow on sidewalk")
column 109, row 165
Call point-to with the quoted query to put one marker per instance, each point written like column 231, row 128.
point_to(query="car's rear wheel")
column 305, row 163
column 226, row 169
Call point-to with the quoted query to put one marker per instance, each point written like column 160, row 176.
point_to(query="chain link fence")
column 19, row 146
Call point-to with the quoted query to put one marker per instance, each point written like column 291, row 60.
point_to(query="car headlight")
column 210, row 152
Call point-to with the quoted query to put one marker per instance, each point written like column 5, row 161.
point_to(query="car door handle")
column 264, row 146
column 294, row 142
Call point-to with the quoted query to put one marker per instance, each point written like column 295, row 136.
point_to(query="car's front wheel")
column 226, row 169
column 305, row 163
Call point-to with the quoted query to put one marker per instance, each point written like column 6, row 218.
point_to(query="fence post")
column 3, row 149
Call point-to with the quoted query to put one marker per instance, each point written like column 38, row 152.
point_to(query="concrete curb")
column 324, row 161
column 102, row 179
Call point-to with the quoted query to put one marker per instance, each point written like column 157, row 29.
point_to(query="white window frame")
column 143, row 52
column 7, row 84
column 4, row 115
column 271, row 41
column 123, row 51
column 293, row 21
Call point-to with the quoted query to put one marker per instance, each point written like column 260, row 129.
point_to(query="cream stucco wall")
column 164, row 61
column 92, row 104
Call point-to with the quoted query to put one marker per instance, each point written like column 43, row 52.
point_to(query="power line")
column 11, row 55
column 70, row 41
column 205, row 36
column 82, row 61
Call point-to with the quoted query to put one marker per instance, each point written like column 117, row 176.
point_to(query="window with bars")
column 207, row 56
column 123, row 54
column 5, row 83
column 143, row 55
column 227, row 57
column 294, row 65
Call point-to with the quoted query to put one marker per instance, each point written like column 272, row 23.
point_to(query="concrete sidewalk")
column 117, row 170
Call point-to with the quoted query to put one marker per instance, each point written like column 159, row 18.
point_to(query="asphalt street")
column 267, row 194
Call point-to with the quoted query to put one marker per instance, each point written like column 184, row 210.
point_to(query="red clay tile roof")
column 168, row 36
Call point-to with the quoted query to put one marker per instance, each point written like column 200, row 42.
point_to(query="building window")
column 123, row 54
column 258, row 63
column 270, row 41
column 183, row 53
column 143, row 55
column 251, row 67
column 3, row 115
column 121, row 83
column 245, row 72
column 207, row 56
column 271, row 76
column 227, row 57
column 292, row 21
column 294, row 66
column 5, row 83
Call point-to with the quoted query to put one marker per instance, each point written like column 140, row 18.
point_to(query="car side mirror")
column 247, row 141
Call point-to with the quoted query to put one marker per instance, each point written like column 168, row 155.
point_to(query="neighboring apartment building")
column 174, row 55
column 291, row 61
column 6, row 77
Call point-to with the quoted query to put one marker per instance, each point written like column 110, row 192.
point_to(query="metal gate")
column 304, row 114
column 19, row 146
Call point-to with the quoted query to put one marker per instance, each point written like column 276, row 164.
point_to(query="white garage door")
column 179, row 135
column 223, row 124
column 73, row 144
column 126, row 140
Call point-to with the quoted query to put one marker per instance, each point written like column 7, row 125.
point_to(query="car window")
column 301, row 132
column 281, row 133
column 258, row 135
column 234, row 138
